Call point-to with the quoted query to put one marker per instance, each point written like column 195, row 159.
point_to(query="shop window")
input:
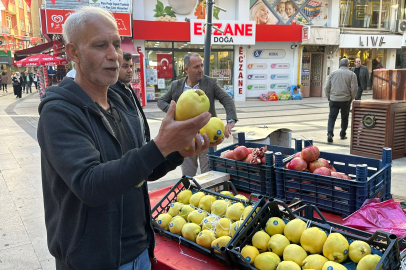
column 365, row 13
column 158, row 44
column 20, row 4
column 9, row 23
column 29, row 29
column 22, row 25
column 221, row 64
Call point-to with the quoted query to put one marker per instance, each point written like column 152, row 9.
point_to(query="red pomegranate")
column 298, row 154
column 332, row 169
column 336, row 174
column 297, row 164
column 310, row 153
column 321, row 162
column 249, row 158
column 256, row 161
column 240, row 153
column 344, row 176
column 229, row 154
column 250, row 150
column 322, row 171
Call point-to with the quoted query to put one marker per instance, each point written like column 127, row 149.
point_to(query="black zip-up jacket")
column 85, row 175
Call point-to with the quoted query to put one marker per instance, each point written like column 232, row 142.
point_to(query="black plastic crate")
column 384, row 242
column 371, row 178
column 223, row 186
column 189, row 183
column 245, row 176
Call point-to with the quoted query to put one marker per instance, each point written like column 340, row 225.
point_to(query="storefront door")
column 316, row 75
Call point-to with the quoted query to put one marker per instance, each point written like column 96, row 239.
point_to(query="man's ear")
column 73, row 52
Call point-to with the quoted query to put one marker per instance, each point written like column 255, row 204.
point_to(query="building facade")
column 19, row 28
column 292, row 42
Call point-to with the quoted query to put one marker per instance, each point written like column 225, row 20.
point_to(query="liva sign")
column 235, row 32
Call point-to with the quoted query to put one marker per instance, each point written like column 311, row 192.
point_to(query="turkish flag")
column 5, row 36
column 5, row 48
column 12, row 37
column 164, row 65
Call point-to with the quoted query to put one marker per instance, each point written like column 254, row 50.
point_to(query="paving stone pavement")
column 22, row 228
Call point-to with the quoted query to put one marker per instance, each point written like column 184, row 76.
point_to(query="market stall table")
column 168, row 252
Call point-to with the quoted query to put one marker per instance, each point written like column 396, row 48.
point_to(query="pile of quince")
column 293, row 246
column 204, row 219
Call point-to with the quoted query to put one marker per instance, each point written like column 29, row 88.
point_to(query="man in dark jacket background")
column 362, row 77
column 96, row 155
column 195, row 79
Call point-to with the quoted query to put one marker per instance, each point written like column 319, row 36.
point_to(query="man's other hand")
column 229, row 127
column 177, row 135
column 197, row 146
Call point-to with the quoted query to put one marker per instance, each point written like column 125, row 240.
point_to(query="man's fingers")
column 171, row 110
column 199, row 121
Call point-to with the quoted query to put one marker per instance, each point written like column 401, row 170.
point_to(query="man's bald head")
column 77, row 23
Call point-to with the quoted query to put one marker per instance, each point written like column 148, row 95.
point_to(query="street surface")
column 22, row 228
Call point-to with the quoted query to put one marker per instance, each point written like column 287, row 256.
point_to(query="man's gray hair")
column 77, row 21
column 344, row 62
column 186, row 59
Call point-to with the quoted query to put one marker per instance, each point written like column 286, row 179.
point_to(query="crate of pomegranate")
column 250, row 165
column 333, row 182
column 202, row 219
column 278, row 237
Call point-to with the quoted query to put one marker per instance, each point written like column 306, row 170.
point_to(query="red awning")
column 128, row 46
column 18, row 55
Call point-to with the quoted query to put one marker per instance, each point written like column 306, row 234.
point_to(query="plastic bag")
column 385, row 216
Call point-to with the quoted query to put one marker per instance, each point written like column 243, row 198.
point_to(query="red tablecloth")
column 168, row 252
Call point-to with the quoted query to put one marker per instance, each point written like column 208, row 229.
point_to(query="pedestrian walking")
column 95, row 166
column 341, row 89
column 22, row 77
column 195, row 79
column 28, row 81
column 362, row 77
column 35, row 79
column 13, row 74
column 4, row 81
column 17, row 84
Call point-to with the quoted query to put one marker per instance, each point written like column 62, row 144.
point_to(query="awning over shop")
column 128, row 46
column 18, row 55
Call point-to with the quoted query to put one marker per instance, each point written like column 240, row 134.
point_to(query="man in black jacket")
column 124, row 78
column 362, row 74
column 96, row 156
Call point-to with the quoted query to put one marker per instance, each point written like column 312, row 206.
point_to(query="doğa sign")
column 241, row 33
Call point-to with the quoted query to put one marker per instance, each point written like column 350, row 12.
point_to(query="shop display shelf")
column 245, row 176
column 371, row 178
column 189, row 183
column 382, row 243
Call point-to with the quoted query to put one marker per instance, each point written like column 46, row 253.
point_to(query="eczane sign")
column 235, row 32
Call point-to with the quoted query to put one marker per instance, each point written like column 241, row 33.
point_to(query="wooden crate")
column 389, row 130
column 389, row 84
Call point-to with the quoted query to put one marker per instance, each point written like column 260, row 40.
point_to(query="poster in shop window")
column 113, row 5
column 183, row 10
column 269, row 69
column 304, row 12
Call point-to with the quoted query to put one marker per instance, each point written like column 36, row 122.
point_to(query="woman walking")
column 4, row 80
column 13, row 74
column 17, row 84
